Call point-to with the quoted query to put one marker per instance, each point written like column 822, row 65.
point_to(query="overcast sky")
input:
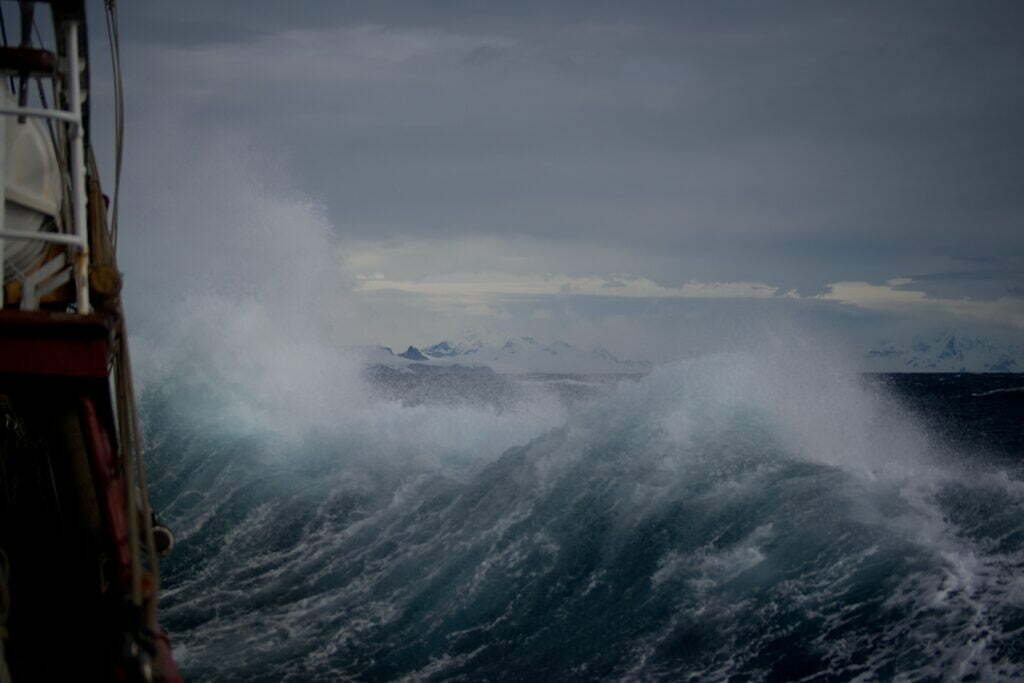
column 581, row 169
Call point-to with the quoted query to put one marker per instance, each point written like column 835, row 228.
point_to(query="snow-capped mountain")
column 447, row 349
column 412, row 353
column 946, row 353
column 525, row 354
column 517, row 355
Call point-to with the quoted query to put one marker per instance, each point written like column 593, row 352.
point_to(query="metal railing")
column 78, row 237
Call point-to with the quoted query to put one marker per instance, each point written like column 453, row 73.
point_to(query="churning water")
column 731, row 517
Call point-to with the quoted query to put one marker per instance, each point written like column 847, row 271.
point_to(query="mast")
column 66, row 387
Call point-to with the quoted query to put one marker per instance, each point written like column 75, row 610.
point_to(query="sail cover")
column 32, row 189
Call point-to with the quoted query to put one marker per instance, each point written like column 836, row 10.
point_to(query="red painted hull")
column 69, row 358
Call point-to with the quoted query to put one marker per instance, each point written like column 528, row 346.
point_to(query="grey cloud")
column 976, row 284
column 685, row 126
column 790, row 143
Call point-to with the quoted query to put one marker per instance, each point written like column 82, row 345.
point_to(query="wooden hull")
column 64, row 531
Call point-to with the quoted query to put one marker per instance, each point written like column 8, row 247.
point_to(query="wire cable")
column 42, row 96
column 114, row 36
column 3, row 33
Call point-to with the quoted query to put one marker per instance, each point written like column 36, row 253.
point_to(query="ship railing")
column 57, row 272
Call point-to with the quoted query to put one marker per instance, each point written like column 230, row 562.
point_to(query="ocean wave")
column 993, row 392
column 730, row 516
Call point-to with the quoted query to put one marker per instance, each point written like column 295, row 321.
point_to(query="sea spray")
column 739, row 514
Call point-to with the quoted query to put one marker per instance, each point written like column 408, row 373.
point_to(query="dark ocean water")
column 720, row 519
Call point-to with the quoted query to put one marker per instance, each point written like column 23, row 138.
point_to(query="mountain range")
column 517, row 355
column 947, row 352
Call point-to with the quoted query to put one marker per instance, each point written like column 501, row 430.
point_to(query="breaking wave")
column 735, row 515
column 1006, row 390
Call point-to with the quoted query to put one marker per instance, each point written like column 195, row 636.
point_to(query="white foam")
column 993, row 392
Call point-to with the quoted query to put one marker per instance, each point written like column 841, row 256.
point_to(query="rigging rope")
column 5, row 607
column 114, row 38
column 131, row 438
column 57, row 147
column 3, row 33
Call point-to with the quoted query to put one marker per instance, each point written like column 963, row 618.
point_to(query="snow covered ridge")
column 946, row 353
column 519, row 355
column 949, row 352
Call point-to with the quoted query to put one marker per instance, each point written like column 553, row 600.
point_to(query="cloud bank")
column 577, row 168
